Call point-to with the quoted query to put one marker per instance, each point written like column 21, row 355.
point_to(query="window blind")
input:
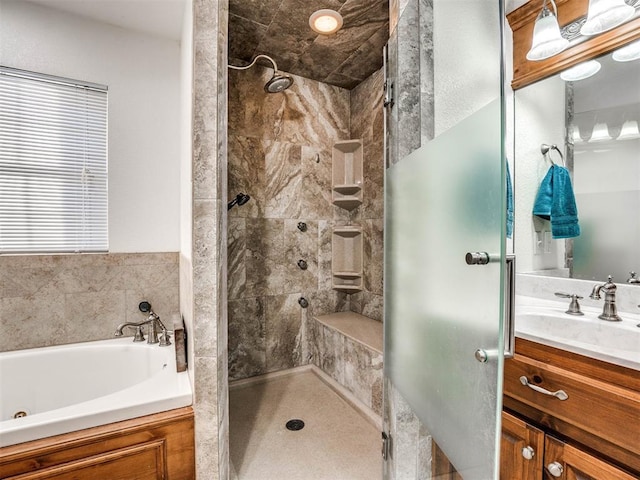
column 53, row 164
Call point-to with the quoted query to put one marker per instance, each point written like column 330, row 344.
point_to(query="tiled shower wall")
column 58, row 299
column 280, row 154
column 367, row 123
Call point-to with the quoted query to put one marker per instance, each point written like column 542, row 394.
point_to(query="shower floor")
column 337, row 442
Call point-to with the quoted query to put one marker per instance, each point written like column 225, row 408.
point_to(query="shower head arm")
column 275, row 66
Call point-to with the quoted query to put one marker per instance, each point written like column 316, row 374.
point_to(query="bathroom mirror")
column 594, row 122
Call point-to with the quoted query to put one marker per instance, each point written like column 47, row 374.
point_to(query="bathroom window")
column 53, row 164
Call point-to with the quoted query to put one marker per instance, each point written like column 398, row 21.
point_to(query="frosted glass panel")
column 442, row 201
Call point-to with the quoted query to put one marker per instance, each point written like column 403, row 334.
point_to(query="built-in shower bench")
column 347, row 346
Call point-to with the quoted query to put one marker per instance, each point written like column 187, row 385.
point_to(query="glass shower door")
column 444, row 242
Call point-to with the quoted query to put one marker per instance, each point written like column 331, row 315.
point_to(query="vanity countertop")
column 545, row 321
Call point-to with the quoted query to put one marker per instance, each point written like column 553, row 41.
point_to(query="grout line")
column 251, row 381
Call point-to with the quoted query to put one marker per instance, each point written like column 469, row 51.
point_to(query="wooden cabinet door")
column 519, row 442
column 578, row 465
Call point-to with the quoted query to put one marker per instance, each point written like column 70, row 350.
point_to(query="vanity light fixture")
column 547, row 40
column 325, row 21
column 604, row 15
column 628, row 52
column 581, row 71
column 600, row 133
column 575, row 135
column 629, row 131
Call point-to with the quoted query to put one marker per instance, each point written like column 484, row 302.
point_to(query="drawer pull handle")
column 560, row 394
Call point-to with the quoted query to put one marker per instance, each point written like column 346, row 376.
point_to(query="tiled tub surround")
column 59, row 299
column 280, row 154
column 347, row 346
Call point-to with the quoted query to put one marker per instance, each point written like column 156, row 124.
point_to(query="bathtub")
column 71, row 387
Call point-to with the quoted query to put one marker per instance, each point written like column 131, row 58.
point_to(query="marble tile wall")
column 281, row 30
column 280, row 154
column 209, row 239
column 367, row 123
column 58, row 299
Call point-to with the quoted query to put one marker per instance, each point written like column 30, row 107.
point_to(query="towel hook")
column 544, row 148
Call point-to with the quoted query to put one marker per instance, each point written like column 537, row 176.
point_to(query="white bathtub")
column 71, row 387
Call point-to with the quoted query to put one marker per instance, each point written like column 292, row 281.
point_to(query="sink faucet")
column 158, row 333
column 633, row 279
column 609, row 311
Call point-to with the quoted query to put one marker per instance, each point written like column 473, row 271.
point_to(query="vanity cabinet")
column 598, row 421
column 527, row 453
column 521, row 449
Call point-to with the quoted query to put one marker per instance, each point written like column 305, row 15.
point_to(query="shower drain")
column 295, row 425
column 20, row 414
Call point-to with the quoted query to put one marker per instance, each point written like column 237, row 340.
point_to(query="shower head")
column 278, row 83
column 240, row 199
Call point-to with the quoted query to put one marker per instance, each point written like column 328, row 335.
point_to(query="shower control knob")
column 303, row 302
column 302, row 264
column 555, row 469
column 302, row 226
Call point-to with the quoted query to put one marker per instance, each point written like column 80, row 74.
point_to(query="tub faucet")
column 158, row 333
column 609, row 311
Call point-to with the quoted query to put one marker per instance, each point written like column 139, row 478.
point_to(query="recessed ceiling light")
column 325, row 21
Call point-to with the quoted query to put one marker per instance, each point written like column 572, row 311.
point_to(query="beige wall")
column 58, row 299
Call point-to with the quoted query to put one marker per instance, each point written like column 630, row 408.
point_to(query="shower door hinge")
column 385, row 446
column 388, row 94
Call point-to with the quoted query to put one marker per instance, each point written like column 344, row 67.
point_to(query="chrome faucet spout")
column 157, row 333
column 609, row 310
column 120, row 328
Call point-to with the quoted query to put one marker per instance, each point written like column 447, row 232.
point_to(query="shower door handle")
column 483, row 258
column 477, row 258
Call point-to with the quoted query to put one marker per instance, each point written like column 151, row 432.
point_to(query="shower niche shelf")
column 347, row 174
column 346, row 259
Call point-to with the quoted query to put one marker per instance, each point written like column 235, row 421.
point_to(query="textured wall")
column 273, row 143
column 58, row 299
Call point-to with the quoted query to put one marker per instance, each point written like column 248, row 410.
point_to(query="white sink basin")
column 615, row 342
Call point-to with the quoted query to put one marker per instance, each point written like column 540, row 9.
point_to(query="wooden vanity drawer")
column 609, row 412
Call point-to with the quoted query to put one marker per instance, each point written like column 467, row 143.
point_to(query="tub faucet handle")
column 139, row 336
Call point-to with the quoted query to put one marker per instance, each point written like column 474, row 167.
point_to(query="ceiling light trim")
column 325, row 21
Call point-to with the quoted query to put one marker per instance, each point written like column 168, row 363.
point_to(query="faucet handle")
column 139, row 336
column 574, row 306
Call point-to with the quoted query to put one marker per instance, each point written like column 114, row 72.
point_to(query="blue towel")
column 509, row 203
column 555, row 201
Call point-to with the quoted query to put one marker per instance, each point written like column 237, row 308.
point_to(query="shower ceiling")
column 280, row 29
